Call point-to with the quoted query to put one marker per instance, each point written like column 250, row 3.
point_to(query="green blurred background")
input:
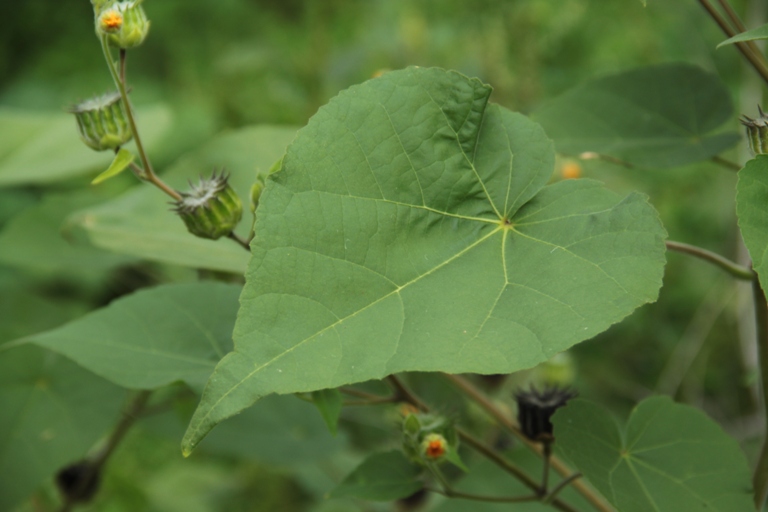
column 233, row 63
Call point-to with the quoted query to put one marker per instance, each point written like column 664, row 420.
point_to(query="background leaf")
column 154, row 337
column 34, row 242
column 381, row 477
column 750, row 35
column 752, row 210
column 658, row 116
column 669, row 457
column 401, row 236
column 53, row 412
column 140, row 223
column 43, row 148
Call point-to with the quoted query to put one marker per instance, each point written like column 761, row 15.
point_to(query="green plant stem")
column 237, row 238
column 562, row 485
column 148, row 174
column 367, row 398
column 736, row 21
column 475, row 394
column 145, row 172
column 123, row 64
column 476, row 497
column 497, row 459
column 734, row 269
column 756, row 60
column 449, row 492
column 546, row 456
column 731, row 166
column 406, row 395
column 485, row 450
column 130, row 415
column 760, row 477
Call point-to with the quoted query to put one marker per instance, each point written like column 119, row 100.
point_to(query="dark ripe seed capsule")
column 535, row 409
column 78, row 482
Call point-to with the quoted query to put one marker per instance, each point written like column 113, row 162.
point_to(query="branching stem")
column 737, row 23
column 241, row 241
column 736, row 270
column 485, row 450
column 755, row 59
column 450, row 493
column 130, row 415
column 475, row 394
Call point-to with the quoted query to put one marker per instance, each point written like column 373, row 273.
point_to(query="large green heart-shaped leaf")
column 659, row 116
column 668, row 458
column 53, row 412
column 752, row 211
column 410, row 229
column 140, row 223
column 153, row 337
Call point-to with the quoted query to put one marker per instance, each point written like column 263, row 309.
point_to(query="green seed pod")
column 103, row 122
column 757, row 132
column 211, row 209
column 124, row 23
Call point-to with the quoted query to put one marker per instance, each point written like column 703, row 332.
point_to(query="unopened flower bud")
column 102, row 122
column 434, row 447
column 535, row 408
column 124, row 23
column 757, row 132
column 256, row 190
column 211, row 209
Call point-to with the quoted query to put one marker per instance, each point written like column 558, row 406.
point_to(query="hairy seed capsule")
column 757, row 132
column 211, row 209
column 102, row 122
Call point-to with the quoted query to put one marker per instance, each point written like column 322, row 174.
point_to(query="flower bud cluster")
column 429, row 438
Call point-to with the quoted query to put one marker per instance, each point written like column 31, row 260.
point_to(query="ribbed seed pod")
column 757, row 132
column 211, row 209
column 102, row 122
column 124, row 23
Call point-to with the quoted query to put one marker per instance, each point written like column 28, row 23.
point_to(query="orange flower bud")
column 434, row 446
column 110, row 21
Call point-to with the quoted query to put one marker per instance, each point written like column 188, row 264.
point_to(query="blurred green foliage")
column 234, row 63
